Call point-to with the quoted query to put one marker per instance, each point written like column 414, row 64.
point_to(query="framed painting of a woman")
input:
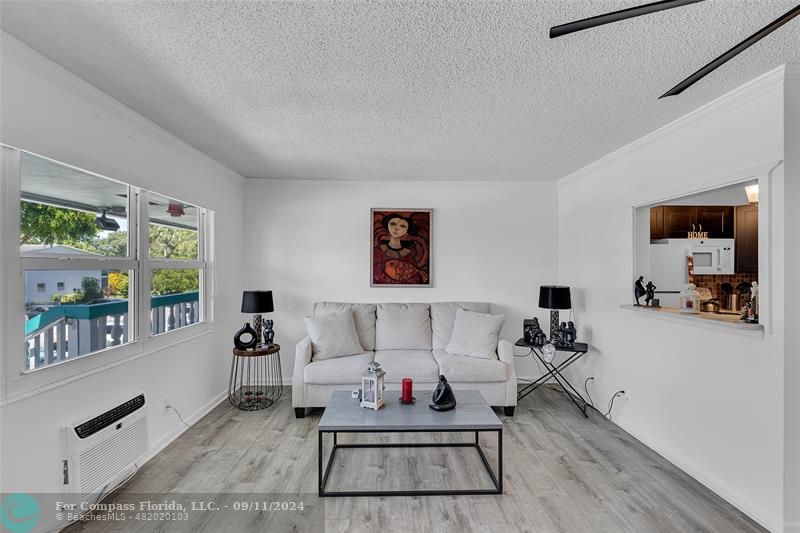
column 401, row 247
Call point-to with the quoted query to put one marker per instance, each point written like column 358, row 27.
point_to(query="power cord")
column 103, row 494
column 611, row 403
column 179, row 415
column 586, row 390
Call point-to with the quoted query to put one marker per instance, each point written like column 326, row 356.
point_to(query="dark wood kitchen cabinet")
column 717, row 220
column 676, row 221
column 746, row 243
column 657, row 222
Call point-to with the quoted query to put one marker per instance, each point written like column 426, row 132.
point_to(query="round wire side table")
column 256, row 381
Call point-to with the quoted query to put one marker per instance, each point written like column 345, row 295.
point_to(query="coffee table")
column 472, row 414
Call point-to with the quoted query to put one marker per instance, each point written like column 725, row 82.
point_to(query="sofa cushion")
column 464, row 369
column 340, row 371
column 333, row 335
column 363, row 315
column 403, row 327
column 476, row 334
column 418, row 365
column 443, row 316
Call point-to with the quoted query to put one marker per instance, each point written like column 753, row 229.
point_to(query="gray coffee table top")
column 472, row 413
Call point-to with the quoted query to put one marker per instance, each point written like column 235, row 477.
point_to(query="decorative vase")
column 245, row 344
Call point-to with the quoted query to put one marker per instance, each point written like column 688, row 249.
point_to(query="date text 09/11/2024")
column 263, row 506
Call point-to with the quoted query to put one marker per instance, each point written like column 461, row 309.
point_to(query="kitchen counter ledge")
column 712, row 319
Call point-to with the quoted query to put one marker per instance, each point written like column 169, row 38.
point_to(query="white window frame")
column 18, row 382
column 149, row 264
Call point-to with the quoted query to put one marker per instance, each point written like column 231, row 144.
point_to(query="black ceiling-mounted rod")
column 616, row 16
column 733, row 52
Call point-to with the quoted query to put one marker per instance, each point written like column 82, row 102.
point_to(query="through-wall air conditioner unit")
column 102, row 450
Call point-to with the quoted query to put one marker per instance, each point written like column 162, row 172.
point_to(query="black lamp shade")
column 257, row 302
column 554, row 297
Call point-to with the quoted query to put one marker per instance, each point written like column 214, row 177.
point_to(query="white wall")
column 708, row 399
column 310, row 240
column 51, row 112
column 791, row 245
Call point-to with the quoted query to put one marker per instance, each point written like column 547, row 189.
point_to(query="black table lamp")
column 257, row 302
column 554, row 297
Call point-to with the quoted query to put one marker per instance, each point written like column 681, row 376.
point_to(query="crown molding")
column 25, row 56
column 764, row 84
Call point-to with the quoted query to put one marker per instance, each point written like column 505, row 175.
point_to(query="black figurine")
column 443, row 397
column 639, row 290
column 269, row 333
column 533, row 332
column 651, row 293
column 569, row 333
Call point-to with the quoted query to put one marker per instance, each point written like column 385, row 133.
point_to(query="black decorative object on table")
column 269, row 333
column 578, row 350
column 443, row 397
column 650, row 291
column 257, row 302
column 533, row 333
column 638, row 290
column 245, row 344
column 554, row 297
column 568, row 335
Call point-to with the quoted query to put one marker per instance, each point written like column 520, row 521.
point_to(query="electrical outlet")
column 624, row 396
column 166, row 403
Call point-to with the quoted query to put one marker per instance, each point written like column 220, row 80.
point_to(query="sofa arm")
column 302, row 357
column 505, row 352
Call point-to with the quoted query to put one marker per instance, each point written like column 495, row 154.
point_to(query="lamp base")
column 257, row 326
column 555, row 332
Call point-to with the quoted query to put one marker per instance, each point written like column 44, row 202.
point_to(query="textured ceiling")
column 402, row 90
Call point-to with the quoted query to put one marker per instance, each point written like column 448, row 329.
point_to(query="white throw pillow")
column 475, row 334
column 333, row 335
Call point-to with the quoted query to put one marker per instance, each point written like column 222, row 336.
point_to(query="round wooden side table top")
column 255, row 352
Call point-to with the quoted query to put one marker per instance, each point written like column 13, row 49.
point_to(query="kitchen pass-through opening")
column 699, row 254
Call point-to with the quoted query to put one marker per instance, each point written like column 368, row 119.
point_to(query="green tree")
column 174, row 281
column 46, row 224
column 114, row 244
column 90, row 287
column 172, row 242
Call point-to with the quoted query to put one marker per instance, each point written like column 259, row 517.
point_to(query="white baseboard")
column 165, row 440
column 730, row 496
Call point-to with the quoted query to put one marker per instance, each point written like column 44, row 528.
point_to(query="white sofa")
column 408, row 340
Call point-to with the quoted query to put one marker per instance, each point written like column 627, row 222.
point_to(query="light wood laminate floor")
column 562, row 473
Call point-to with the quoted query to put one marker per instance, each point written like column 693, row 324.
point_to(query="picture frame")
column 400, row 247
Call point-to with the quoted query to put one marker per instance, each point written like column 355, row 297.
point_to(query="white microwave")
column 713, row 256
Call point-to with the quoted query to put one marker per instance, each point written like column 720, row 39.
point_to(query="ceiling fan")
column 646, row 9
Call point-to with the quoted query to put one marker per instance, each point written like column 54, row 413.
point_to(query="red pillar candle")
column 405, row 394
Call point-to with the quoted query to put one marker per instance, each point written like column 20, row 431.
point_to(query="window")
column 117, row 281
column 176, row 263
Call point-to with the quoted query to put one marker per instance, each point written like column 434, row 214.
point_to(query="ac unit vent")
column 110, row 457
column 90, row 427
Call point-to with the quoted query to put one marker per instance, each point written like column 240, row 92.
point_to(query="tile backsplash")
column 714, row 282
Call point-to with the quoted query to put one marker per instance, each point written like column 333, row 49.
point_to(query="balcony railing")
column 67, row 332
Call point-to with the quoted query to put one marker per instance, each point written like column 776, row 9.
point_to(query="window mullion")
column 145, row 274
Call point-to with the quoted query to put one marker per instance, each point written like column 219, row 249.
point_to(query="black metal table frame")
column 496, row 480
column 554, row 372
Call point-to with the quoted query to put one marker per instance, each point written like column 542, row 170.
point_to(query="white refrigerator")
column 668, row 269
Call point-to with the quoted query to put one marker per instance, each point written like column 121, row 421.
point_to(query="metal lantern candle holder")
column 372, row 386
